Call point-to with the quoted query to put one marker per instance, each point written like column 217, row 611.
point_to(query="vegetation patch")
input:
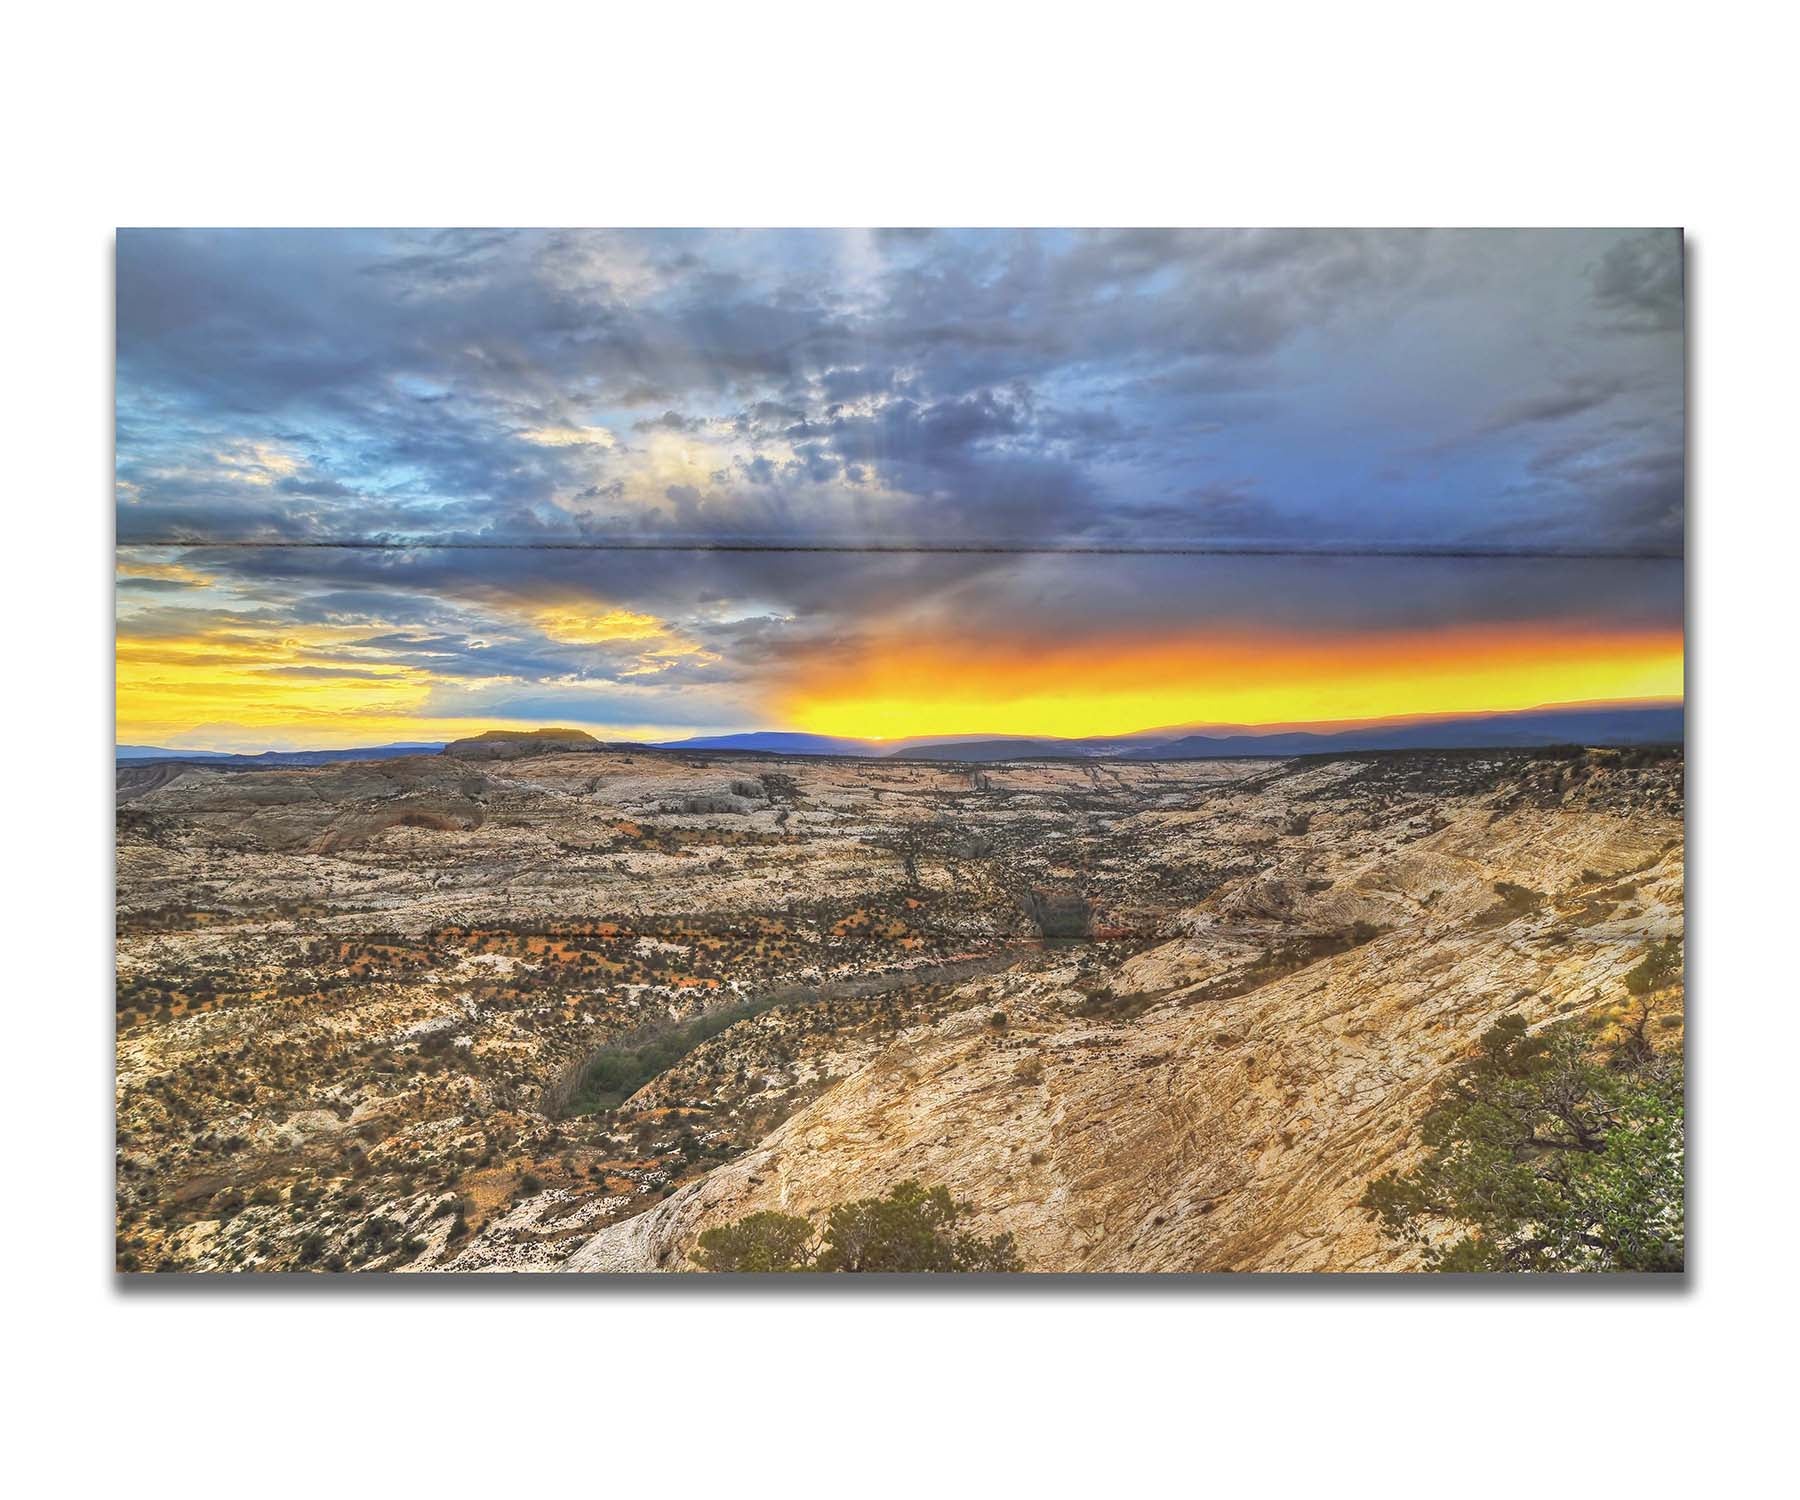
column 913, row 1228
column 1515, row 901
column 1284, row 958
column 617, row 1071
column 1550, row 1151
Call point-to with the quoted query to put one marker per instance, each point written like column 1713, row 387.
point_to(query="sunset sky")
column 1455, row 460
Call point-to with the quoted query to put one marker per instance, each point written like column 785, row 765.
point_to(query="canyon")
column 563, row 1007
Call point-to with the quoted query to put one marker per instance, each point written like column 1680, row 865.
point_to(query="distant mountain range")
column 1580, row 724
column 777, row 742
column 1556, row 724
column 280, row 757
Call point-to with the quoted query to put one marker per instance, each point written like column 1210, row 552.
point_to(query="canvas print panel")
column 961, row 751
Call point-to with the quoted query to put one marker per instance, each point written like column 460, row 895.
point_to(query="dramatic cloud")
column 1291, row 390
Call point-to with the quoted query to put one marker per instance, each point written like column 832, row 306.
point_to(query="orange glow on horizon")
column 242, row 685
column 945, row 687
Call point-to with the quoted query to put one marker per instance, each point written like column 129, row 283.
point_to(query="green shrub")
column 911, row 1229
column 616, row 1072
column 762, row 1242
column 1547, row 1157
column 1656, row 970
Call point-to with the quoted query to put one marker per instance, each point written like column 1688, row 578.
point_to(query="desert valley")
column 540, row 1003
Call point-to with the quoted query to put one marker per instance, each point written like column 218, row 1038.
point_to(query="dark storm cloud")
column 1640, row 280
column 669, row 421
column 476, row 384
column 1572, row 399
column 490, row 596
column 156, row 585
column 1216, row 512
column 426, row 584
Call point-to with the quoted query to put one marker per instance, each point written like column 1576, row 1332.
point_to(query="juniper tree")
column 1548, row 1157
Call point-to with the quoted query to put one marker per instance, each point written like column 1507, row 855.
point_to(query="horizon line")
column 1237, row 730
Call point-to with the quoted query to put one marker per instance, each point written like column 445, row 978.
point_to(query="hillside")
column 512, row 744
column 1214, row 1129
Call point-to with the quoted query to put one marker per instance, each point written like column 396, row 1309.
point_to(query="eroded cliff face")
column 1213, row 1130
